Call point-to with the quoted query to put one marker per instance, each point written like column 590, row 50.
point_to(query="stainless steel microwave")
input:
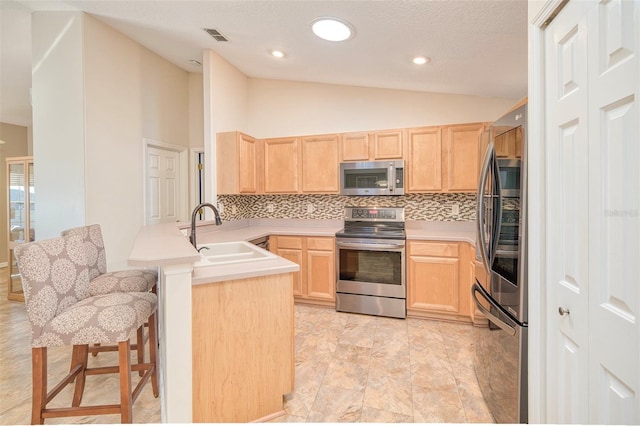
column 372, row 178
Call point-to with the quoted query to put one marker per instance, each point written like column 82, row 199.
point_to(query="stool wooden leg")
column 153, row 345
column 124, row 363
column 79, row 358
column 95, row 353
column 39, row 369
column 140, row 347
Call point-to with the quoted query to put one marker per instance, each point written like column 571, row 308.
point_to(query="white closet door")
column 593, row 213
column 567, row 214
column 162, row 186
column 614, row 212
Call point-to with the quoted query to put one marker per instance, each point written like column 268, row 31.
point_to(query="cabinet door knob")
column 563, row 311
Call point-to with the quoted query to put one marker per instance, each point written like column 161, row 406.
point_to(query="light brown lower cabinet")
column 243, row 349
column 316, row 281
column 438, row 280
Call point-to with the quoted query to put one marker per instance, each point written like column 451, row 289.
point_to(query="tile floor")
column 349, row 368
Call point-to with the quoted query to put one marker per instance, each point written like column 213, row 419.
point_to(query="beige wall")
column 131, row 94
column 16, row 144
column 271, row 108
column 122, row 94
column 224, row 109
column 281, row 108
column 196, row 115
column 58, row 120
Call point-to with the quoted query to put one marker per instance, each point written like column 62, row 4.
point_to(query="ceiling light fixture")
column 277, row 53
column 332, row 29
column 421, row 60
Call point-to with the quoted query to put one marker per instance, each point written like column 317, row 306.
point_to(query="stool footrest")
column 80, row 411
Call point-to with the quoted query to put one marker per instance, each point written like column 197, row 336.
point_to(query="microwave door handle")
column 481, row 219
column 391, row 181
column 475, row 288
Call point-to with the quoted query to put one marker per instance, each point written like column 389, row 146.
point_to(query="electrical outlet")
column 310, row 208
column 455, row 209
column 234, row 209
column 220, row 207
column 270, row 207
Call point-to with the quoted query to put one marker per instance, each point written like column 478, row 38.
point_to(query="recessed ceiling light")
column 332, row 29
column 195, row 62
column 421, row 60
column 278, row 53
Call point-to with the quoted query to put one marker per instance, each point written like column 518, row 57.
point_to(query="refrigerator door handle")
column 494, row 319
column 481, row 219
column 497, row 220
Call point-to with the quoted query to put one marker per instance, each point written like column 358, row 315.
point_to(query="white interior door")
column 614, row 212
column 162, row 186
column 567, row 213
column 592, row 213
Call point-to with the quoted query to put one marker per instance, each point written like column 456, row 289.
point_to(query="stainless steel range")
column 370, row 253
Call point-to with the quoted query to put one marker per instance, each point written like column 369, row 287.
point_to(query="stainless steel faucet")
column 192, row 237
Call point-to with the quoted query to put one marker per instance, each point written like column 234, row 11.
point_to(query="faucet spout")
column 192, row 236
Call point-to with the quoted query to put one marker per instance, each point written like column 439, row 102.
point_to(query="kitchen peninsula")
column 225, row 330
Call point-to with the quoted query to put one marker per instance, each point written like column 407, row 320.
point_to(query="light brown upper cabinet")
column 461, row 154
column 380, row 145
column 424, row 166
column 237, row 163
column 320, row 163
column 354, row 146
column 281, row 165
column 387, row 145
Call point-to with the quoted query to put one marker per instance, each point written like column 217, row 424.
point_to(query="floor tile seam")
column 411, row 378
column 367, row 385
column 364, row 391
column 324, row 376
column 315, row 397
column 456, row 380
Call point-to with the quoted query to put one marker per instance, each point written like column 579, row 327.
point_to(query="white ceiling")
column 477, row 47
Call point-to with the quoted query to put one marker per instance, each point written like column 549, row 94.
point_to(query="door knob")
column 563, row 311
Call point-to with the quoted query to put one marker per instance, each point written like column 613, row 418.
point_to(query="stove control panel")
column 373, row 214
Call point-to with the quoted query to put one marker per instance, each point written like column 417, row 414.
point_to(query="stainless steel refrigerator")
column 500, row 292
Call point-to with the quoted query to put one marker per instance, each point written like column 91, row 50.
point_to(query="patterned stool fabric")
column 123, row 281
column 101, row 281
column 61, row 311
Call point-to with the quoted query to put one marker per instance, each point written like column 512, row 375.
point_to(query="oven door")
column 371, row 267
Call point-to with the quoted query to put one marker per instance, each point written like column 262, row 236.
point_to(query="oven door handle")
column 475, row 288
column 370, row 246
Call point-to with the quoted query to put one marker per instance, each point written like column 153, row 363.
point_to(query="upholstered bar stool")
column 103, row 282
column 62, row 312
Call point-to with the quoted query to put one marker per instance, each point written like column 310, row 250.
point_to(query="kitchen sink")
column 231, row 252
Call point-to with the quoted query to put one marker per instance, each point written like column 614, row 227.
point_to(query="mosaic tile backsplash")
column 434, row 207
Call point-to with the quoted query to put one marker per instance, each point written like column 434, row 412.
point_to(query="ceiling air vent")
column 216, row 34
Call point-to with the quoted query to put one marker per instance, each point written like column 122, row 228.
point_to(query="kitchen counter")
column 168, row 244
column 464, row 231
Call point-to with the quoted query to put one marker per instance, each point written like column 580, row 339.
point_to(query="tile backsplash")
column 434, row 207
